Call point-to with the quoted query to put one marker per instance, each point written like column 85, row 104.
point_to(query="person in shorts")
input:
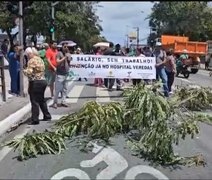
column 51, row 54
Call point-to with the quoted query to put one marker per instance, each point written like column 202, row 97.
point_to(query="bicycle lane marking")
column 116, row 164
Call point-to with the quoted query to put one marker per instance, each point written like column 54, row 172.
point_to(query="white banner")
column 98, row 66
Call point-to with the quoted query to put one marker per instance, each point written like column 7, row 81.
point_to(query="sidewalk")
column 9, row 109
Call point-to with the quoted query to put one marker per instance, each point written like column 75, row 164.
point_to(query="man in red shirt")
column 51, row 54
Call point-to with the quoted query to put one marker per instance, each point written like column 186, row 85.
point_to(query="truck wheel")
column 194, row 71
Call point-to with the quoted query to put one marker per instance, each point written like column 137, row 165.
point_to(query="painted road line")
column 74, row 94
column 5, row 150
column 116, row 164
column 102, row 95
column 140, row 169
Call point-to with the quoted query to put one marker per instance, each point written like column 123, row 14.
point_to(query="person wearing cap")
column 37, row 85
column 184, row 56
column 170, row 69
column 160, row 55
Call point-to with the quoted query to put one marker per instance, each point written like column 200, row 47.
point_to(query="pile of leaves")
column 195, row 99
column 160, row 124
column 34, row 144
column 94, row 120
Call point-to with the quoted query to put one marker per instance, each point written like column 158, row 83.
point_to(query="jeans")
column 170, row 76
column 36, row 92
column 110, row 82
column 61, row 84
column 161, row 73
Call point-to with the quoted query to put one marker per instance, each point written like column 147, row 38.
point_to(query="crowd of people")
column 48, row 65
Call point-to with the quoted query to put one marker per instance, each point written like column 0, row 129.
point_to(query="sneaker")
column 171, row 92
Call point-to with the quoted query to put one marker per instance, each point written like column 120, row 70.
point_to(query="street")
column 112, row 162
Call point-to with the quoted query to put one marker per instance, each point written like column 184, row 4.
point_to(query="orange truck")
column 194, row 49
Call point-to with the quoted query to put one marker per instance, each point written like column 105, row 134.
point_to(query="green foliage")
column 189, row 18
column 160, row 125
column 76, row 21
column 34, row 144
column 95, row 120
column 194, row 98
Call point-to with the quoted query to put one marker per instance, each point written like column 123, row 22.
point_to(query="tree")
column 7, row 20
column 188, row 18
column 73, row 20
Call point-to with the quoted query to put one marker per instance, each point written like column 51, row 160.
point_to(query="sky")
column 119, row 18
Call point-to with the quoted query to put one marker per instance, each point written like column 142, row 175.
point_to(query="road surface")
column 111, row 162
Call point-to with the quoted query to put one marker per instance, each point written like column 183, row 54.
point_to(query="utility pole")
column 53, row 12
column 21, row 43
column 127, row 40
column 53, row 35
column 137, row 28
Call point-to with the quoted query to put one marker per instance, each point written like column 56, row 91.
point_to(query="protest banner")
column 99, row 66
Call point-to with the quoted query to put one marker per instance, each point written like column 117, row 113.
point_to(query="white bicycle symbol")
column 116, row 164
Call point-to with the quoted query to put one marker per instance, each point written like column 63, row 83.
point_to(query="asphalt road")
column 111, row 162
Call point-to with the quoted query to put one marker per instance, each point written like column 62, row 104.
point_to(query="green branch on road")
column 159, row 122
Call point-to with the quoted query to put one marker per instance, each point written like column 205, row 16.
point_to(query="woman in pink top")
column 98, row 81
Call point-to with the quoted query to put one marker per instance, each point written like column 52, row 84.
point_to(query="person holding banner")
column 62, row 71
column 79, row 51
column 98, row 81
column 108, row 82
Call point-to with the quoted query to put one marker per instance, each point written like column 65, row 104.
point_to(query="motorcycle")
column 182, row 69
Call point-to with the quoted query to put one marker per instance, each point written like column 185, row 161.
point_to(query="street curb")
column 14, row 118
column 18, row 117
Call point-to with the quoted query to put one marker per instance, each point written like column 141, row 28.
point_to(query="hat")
column 78, row 49
column 158, row 44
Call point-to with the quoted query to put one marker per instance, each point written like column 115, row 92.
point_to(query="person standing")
column 14, row 69
column 79, row 51
column 160, row 55
column 140, row 53
column 4, row 47
column 170, row 69
column 51, row 54
column 42, row 53
column 62, row 71
column 109, row 82
column 37, row 85
column 98, row 81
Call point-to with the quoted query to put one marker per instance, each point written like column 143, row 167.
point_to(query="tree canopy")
column 184, row 18
column 75, row 21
